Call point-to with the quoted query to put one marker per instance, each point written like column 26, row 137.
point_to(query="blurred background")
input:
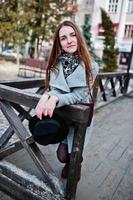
column 26, row 32
column 27, row 27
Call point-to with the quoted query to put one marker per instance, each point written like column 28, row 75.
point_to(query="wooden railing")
column 111, row 85
column 13, row 97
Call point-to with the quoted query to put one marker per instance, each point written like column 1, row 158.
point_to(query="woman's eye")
column 63, row 38
column 73, row 35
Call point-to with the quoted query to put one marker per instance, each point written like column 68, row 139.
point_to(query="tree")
column 87, row 35
column 11, row 23
column 109, row 52
column 44, row 16
column 36, row 20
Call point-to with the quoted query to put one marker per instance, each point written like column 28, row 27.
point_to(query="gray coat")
column 73, row 89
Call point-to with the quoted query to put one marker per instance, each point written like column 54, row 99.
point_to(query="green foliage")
column 110, row 52
column 12, row 22
column 22, row 20
column 87, row 35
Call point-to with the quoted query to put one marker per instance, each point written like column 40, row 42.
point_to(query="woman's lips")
column 71, row 46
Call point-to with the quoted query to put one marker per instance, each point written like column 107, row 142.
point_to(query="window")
column 130, row 6
column 113, row 6
column 128, row 33
column 100, row 29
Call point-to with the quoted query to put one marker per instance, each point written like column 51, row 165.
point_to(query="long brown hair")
column 82, row 52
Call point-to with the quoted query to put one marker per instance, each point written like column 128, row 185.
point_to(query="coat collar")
column 76, row 79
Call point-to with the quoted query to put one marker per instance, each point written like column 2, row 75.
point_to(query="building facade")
column 121, row 14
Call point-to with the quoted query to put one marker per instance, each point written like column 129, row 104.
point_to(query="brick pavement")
column 107, row 172
column 108, row 169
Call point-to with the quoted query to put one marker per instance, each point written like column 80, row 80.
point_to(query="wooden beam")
column 74, row 112
column 32, row 149
column 5, row 137
column 23, row 185
column 9, row 132
column 102, row 90
column 22, row 111
column 19, row 96
column 113, row 87
column 12, row 148
column 75, row 160
column 15, row 190
column 111, row 74
column 14, row 121
column 25, row 83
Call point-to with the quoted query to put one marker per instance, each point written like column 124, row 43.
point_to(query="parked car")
column 11, row 52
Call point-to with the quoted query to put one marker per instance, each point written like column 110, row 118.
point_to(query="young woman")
column 69, row 79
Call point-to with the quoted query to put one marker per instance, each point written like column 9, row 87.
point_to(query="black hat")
column 48, row 130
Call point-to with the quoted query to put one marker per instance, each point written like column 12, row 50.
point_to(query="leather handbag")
column 91, row 111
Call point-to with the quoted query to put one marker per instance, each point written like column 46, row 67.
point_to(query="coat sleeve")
column 76, row 95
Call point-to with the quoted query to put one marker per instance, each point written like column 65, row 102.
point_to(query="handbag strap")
column 91, row 103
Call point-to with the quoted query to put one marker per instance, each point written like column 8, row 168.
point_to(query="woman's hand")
column 46, row 106
column 40, row 105
column 50, row 106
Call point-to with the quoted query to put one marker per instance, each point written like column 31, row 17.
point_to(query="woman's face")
column 68, row 39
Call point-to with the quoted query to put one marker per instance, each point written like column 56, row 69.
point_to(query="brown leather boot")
column 62, row 153
column 65, row 171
